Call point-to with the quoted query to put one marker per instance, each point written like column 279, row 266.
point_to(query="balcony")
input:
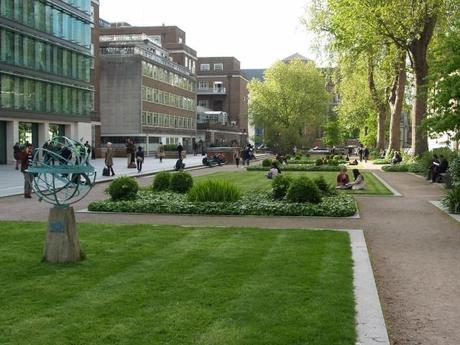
column 212, row 91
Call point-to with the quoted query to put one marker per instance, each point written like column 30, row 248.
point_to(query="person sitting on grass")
column 274, row 171
column 342, row 179
column 358, row 183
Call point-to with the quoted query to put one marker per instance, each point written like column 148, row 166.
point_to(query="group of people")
column 343, row 180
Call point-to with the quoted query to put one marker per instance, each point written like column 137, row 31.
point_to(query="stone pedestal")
column 62, row 244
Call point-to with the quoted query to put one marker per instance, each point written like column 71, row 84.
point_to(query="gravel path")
column 414, row 250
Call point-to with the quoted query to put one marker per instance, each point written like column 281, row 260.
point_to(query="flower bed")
column 260, row 203
column 297, row 167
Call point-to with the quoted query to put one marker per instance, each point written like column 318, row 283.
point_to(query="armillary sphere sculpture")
column 62, row 176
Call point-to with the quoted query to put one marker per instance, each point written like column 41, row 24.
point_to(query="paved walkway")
column 414, row 249
column 12, row 181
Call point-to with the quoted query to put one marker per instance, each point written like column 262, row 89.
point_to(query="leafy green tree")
column 289, row 104
column 444, row 100
column 332, row 133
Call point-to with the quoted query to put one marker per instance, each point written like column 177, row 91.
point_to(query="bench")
column 445, row 178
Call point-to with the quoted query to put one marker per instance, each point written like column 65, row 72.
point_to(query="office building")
column 45, row 71
column 148, row 92
column 223, row 100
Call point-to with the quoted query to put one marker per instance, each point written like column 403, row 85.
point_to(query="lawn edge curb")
column 370, row 323
column 387, row 185
column 439, row 205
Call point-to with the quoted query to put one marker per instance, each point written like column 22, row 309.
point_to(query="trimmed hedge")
column 123, row 188
column 381, row 161
column 409, row 167
column 342, row 205
column 298, row 167
column 281, row 185
column 302, row 189
column 161, row 181
column 181, row 182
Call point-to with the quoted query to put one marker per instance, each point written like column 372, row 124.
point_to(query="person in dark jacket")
column 17, row 154
column 26, row 160
column 139, row 158
column 434, row 163
column 366, row 154
column 440, row 169
column 180, row 148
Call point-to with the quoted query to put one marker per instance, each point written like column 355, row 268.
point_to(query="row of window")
column 168, row 99
column 20, row 50
column 44, row 17
column 167, row 121
column 207, row 67
column 33, row 95
column 171, row 78
column 83, row 5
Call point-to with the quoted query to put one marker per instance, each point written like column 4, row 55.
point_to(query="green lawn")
column 256, row 180
column 173, row 285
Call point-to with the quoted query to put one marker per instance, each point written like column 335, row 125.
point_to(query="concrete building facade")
column 222, row 87
column 146, row 94
column 46, row 63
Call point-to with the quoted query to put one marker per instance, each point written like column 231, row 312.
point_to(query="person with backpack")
column 180, row 148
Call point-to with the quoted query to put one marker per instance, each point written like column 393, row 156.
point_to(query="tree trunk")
column 396, row 104
column 380, row 107
column 418, row 50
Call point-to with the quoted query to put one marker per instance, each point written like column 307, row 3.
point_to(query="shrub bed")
column 409, row 167
column 181, row 182
column 261, row 203
column 161, row 181
column 297, row 167
column 302, row 189
column 381, row 161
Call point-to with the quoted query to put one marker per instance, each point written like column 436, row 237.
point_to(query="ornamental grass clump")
column 280, row 186
column 162, row 181
column 123, row 188
column 214, row 191
column 181, row 182
column 302, row 189
column 452, row 200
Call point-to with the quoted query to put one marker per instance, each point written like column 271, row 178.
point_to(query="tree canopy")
column 290, row 103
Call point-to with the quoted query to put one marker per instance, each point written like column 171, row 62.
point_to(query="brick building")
column 148, row 86
column 222, row 87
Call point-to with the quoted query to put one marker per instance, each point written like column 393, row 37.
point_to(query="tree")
column 332, row 134
column 290, row 102
column 444, row 100
column 409, row 25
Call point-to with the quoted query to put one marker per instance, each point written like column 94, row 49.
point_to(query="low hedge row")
column 409, row 167
column 381, row 161
column 261, row 203
column 297, row 167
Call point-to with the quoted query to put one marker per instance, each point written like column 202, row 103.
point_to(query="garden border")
column 439, row 205
column 386, row 184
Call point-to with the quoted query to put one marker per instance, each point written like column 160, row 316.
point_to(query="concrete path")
column 12, row 181
column 414, row 248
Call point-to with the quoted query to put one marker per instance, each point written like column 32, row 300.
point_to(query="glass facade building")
column 46, row 57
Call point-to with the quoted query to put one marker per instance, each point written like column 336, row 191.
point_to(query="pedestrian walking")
column 139, row 158
column 26, row 161
column 236, row 156
column 17, row 154
column 161, row 152
column 109, row 159
column 180, row 148
column 366, row 154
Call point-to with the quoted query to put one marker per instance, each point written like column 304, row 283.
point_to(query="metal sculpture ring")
column 62, row 172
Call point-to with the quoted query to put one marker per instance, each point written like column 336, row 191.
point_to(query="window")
column 205, row 67
column 203, row 103
column 203, row 85
column 218, row 67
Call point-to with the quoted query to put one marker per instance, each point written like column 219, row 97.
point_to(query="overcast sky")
column 257, row 32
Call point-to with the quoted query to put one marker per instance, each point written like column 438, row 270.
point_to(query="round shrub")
column 162, row 181
column 307, row 155
column 214, row 191
column 181, row 182
column 322, row 185
column 266, row 162
column 298, row 157
column 281, row 185
column 319, row 162
column 302, row 189
column 123, row 188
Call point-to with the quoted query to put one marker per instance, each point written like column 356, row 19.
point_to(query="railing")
column 138, row 51
column 214, row 91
